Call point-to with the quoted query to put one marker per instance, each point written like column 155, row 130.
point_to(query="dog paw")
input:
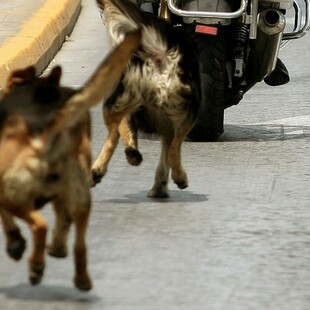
column 180, row 179
column 16, row 248
column 83, row 283
column 158, row 193
column 181, row 184
column 133, row 156
column 36, row 273
column 96, row 178
column 58, row 251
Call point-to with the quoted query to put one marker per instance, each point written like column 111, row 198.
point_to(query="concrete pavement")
column 31, row 32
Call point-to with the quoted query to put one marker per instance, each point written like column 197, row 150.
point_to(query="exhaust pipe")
column 265, row 48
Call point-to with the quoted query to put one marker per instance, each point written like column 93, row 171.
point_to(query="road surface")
column 237, row 238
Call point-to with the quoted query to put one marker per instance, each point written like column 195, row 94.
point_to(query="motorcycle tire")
column 212, row 57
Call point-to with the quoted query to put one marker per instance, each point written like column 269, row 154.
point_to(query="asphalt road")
column 237, row 238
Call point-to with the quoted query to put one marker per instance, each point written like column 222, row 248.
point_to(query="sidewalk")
column 31, row 32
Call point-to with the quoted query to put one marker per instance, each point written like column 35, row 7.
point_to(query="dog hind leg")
column 160, row 187
column 174, row 157
column 100, row 166
column 130, row 140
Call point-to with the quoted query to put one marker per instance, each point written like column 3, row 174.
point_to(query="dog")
column 158, row 93
column 45, row 156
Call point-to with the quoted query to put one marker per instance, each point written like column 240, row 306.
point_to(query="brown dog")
column 45, row 157
column 159, row 93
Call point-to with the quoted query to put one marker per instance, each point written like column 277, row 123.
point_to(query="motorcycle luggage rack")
column 300, row 29
column 205, row 14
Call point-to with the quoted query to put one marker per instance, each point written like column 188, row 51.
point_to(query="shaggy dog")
column 159, row 93
column 45, row 157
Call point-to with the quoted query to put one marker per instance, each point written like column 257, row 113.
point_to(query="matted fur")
column 45, row 156
column 159, row 93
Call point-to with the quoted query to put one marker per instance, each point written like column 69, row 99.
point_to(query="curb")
column 40, row 37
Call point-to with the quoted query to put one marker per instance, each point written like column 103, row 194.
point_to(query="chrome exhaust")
column 265, row 48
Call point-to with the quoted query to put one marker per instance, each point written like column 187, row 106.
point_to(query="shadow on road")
column 175, row 196
column 47, row 293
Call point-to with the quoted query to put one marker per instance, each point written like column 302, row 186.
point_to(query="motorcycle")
column 238, row 45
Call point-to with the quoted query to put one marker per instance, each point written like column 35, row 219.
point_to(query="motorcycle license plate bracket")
column 208, row 6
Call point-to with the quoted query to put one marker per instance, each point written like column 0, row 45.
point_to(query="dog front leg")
column 130, row 140
column 80, row 217
column 15, row 243
column 100, row 166
column 160, row 187
column 58, row 247
column 38, row 227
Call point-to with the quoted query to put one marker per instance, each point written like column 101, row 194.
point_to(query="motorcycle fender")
column 208, row 6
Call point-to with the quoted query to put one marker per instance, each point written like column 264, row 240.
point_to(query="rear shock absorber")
column 240, row 42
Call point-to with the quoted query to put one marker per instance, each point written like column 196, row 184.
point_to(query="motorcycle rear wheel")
column 212, row 57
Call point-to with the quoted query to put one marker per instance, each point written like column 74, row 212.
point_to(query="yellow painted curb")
column 40, row 37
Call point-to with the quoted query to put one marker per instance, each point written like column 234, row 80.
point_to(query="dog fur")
column 159, row 93
column 45, row 156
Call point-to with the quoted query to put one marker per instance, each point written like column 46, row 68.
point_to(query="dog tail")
column 123, row 16
column 102, row 83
